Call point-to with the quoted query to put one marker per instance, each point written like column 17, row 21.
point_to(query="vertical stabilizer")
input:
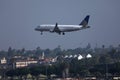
column 85, row 21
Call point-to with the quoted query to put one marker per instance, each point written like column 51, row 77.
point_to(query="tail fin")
column 85, row 21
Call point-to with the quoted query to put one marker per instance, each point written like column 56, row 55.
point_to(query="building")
column 24, row 63
column 3, row 61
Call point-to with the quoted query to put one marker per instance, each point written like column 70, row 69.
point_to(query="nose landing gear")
column 41, row 33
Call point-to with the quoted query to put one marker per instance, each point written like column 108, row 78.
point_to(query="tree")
column 18, row 72
column 11, row 73
column 57, row 51
column 58, row 69
column 38, row 51
column 23, row 51
column 35, row 71
column 115, row 68
column 10, row 51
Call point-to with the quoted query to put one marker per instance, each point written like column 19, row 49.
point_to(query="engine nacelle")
column 51, row 31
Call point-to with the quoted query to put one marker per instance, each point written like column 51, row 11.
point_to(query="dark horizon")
column 19, row 18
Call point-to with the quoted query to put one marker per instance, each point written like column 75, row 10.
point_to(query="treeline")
column 104, row 60
column 100, row 55
column 58, row 51
column 76, row 69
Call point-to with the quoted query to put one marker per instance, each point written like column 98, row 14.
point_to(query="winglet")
column 85, row 21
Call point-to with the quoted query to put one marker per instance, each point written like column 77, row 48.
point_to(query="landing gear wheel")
column 41, row 33
column 63, row 33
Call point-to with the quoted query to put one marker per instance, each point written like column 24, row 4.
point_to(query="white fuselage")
column 62, row 28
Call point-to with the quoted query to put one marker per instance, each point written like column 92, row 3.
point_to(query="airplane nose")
column 37, row 28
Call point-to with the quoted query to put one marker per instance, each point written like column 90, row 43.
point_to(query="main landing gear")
column 41, row 33
column 62, row 33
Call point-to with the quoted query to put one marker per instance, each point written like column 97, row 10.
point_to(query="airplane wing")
column 56, row 29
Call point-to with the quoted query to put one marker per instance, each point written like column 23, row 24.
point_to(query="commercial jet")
column 61, row 29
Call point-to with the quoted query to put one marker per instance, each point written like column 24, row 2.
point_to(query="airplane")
column 63, row 28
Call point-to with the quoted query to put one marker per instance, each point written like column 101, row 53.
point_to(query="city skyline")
column 19, row 18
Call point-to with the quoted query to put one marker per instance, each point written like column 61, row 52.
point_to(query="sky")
column 18, row 18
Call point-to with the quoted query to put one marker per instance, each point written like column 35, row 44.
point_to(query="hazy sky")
column 18, row 18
